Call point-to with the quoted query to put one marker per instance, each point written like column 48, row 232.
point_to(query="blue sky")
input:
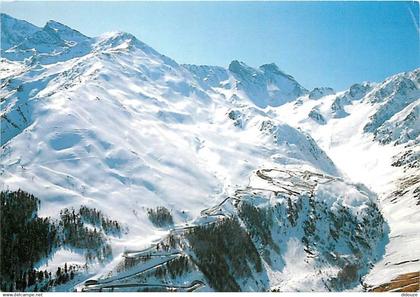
column 319, row 43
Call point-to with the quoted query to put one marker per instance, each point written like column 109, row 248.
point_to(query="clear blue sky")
column 319, row 43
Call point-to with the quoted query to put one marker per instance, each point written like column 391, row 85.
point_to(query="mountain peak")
column 320, row 92
column 64, row 32
column 118, row 35
column 235, row 63
column 4, row 16
column 14, row 31
column 271, row 67
column 117, row 38
column 55, row 24
column 240, row 67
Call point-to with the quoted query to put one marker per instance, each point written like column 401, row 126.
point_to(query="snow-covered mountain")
column 14, row 31
column 53, row 43
column 265, row 86
column 109, row 123
column 375, row 140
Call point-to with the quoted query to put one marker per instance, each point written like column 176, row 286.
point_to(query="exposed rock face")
column 318, row 93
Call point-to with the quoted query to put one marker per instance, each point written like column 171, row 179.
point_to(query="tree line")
column 223, row 252
column 160, row 217
column 27, row 238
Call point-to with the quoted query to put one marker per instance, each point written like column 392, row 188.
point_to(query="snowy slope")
column 375, row 140
column 110, row 123
column 155, row 111
column 312, row 232
column 124, row 128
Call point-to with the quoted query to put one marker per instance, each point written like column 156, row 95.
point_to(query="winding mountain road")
column 288, row 182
